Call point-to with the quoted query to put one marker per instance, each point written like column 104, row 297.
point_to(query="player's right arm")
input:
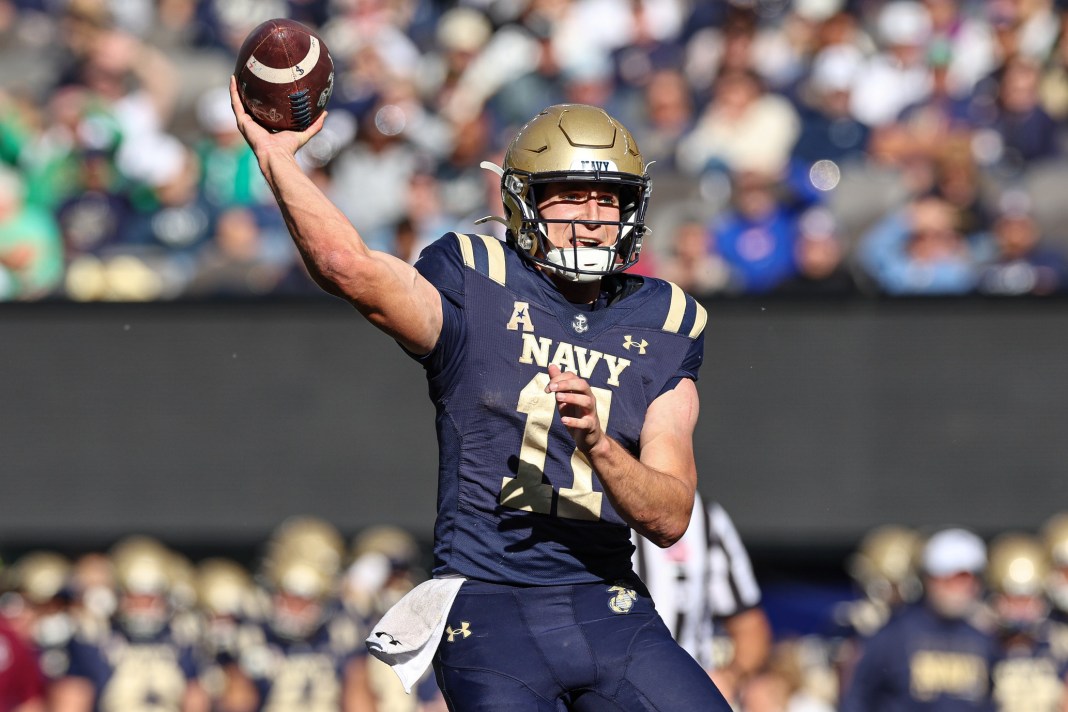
column 388, row 291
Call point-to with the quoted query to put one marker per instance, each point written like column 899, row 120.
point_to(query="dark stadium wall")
column 209, row 423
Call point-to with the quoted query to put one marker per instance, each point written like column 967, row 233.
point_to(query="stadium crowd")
column 808, row 146
column 938, row 619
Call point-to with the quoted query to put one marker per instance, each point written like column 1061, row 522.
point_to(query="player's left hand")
column 578, row 407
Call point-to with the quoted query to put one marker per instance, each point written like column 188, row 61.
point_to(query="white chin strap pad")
column 598, row 260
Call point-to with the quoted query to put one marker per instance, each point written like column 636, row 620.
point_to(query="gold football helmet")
column 886, row 564
column 40, row 576
column 574, row 143
column 225, row 588
column 143, row 566
column 309, row 539
column 1019, row 565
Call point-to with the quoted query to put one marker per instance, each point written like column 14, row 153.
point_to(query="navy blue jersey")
column 1028, row 676
column 301, row 674
column 920, row 661
column 134, row 675
column 517, row 502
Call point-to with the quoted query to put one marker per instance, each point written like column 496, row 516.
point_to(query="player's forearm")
column 655, row 504
column 330, row 246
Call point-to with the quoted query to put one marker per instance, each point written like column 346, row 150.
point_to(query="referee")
column 704, row 589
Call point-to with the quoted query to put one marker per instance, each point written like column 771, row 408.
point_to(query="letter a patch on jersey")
column 520, row 317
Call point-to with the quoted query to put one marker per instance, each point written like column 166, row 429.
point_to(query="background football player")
column 1027, row 676
column 137, row 660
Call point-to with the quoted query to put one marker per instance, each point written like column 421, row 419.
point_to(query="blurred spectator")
column 757, row 235
column 1053, row 88
column 1023, row 262
column 369, row 178
column 962, row 43
column 242, row 258
column 819, row 258
column 692, row 262
column 94, row 219
column 743, row 128
column 1027, row 676
column 1027, row 133
column 539, row 84
column 665, row 116
column 648, row 45
column 931, row 656
column 919, row 250
column 828, row 130
column 897, row 75
column 31, row 249
column 228, row 175
column 956, row 178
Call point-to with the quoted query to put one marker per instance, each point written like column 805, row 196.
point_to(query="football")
column 284, row 75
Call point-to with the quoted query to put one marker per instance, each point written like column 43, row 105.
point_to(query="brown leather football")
column 284, row 75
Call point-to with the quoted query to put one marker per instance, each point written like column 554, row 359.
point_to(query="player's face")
column 583, row 206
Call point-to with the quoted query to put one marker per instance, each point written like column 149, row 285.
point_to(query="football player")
column 137, row 661
column 932, row 655
column 566, row 404
column 1027, row 676
column 308, row 653
column 1055, row 537
column 40, row 607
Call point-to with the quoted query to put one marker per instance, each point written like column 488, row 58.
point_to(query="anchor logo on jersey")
column 580, row 324
column 464, row 630
column 623, row 600
column 629, row 341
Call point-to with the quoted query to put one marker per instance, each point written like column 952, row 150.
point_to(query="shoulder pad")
column 484, row 254
column 684, row 314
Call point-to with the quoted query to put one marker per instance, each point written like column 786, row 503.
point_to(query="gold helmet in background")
column 1055, row 538
column 144, row 574
column 1018, row 565
column 40, row 576
column 574, row 143
column 886, row 564
column 143, row 566
column 312, row 540
column 225, row 588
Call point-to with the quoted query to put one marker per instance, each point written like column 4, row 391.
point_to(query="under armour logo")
column 392, row 640
column 629, row 341
column 464, row 630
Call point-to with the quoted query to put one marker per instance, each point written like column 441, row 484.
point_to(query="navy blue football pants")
column 582, row 648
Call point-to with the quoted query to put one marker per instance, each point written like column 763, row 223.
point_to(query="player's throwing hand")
column 260, row 139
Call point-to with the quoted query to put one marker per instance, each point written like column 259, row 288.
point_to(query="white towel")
column 408, row 635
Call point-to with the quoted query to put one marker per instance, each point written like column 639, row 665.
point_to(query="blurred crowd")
column 834, row 147
column 939, row 619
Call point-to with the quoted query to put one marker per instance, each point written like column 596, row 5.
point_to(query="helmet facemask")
column 523, row 191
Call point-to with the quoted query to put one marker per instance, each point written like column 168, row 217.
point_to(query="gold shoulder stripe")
column 495, row 253
column 699, row 320
column 466, row 250
column 676, row 311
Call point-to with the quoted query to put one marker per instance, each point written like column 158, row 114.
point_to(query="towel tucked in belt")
column 408, row 635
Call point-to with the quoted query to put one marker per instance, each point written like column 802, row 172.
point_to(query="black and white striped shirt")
column 703, row 577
